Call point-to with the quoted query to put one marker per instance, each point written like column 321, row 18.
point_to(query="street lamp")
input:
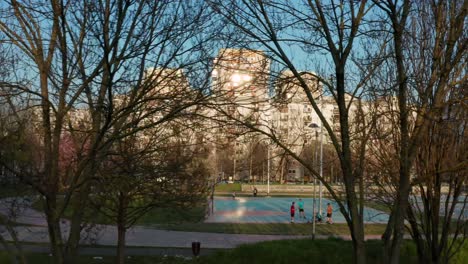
column 268, row 117
column 268, row 169
column 315, row 126
column 321, row 169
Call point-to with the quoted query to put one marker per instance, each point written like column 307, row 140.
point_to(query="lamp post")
column 268, row 117
column 321, row 170
column 313, row 199
column 314, row 125
column 321, row 155
column 268, row 169
column 235, row 160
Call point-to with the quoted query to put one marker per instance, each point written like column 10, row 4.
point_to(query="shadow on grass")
column 304, row 251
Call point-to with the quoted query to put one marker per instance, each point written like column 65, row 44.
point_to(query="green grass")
column 378, row 206
column 270, row 228
column 289, row 251
column 228, row 187
column 309, row 251
column 15, row 190
column 152, row 217
column 462, row 254
column 172, row 215
column 271, row 252
column 40, row 258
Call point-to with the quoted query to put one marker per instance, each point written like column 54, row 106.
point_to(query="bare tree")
column 13, row 151
column 429, row 47
column 164, row 170
column 437, row 213
column 331, row 28
column 13, row 147
column 80, row 57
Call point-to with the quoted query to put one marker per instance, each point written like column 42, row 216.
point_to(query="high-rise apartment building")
column 240, row 85
column 241, row 76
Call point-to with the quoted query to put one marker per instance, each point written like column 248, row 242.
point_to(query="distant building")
column 294, row 120
column 240, row 84
column 241, row 76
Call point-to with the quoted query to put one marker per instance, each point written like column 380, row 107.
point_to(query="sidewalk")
column 147, row 237
column 129, row 251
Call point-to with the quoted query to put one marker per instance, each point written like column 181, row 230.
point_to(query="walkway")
column 100, row 251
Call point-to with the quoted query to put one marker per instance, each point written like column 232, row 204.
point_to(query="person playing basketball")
column 292, row 210
column 329, row 213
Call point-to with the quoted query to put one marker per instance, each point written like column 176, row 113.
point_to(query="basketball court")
column 276, row 210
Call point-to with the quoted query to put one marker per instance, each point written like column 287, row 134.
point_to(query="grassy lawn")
column 377, row 206
column 15, row 190
column 40, row 258
column 303, row 251
column 153, row 217
column 228, row 187
column 276, row 252
column 309, row 251
column 270, row 228
column 172, row 215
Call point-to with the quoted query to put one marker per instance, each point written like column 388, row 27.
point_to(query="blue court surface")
column 276, row 210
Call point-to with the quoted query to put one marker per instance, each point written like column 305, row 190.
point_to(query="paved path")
column 129, row 251
column 148, row 237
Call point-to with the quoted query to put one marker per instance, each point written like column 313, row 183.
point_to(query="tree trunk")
column 250, row 166
column 399, row 212
column 357, row 230
column 9, row 252
column 16, row 253
column 403, row 189
column 55, row 234
column 359, row 249
column 78, row 205
column 19, row 254
column 121, row 227
column 74, row 236
column 418, row 240
column 355, row 222
column 121, row 243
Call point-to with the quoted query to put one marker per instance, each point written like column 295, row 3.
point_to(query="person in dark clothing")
column 292, row 210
